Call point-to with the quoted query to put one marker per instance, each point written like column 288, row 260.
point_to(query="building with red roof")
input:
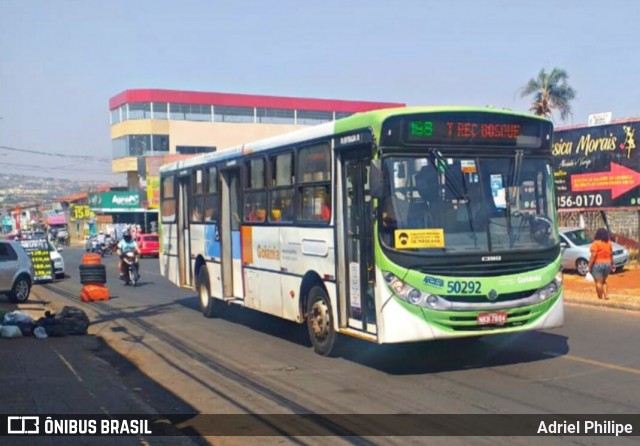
column 151, row 127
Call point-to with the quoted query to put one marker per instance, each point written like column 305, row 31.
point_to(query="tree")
column 550, row 92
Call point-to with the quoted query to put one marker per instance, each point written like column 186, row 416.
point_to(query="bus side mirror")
column 375, row 179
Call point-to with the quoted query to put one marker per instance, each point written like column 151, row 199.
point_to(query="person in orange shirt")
column 601, row 262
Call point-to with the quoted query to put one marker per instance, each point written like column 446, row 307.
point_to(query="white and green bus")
column 395, row 225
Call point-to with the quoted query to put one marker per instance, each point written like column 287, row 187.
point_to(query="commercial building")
column 150, row 127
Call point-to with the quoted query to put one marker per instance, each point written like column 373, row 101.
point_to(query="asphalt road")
column 249, row 362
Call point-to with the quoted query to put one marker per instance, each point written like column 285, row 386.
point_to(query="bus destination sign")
column 483, row 129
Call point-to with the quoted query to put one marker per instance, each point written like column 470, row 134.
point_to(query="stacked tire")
column 93, row 276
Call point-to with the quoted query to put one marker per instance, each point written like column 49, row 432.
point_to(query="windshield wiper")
column 515, row 180
column 441, row 166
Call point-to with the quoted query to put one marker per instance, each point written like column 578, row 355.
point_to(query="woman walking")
column 601, row 262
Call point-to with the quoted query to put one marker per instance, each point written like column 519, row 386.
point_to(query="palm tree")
column 550, row 92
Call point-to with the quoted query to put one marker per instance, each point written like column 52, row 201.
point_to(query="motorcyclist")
column 127, row 244
column 98, row 243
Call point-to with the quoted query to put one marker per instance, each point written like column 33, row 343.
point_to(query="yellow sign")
column 419, row 238
column 81, row 212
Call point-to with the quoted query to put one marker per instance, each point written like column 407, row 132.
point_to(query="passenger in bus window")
column 260, row 214
column 325, row 212
column 286, row 209
column 423, row 212
column 248, row 212
column 209, row 214
column 255, row 213
column 196, row 214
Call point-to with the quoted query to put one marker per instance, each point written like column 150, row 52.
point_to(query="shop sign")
column 597, row 167
column 38, row 251
column 115, row 200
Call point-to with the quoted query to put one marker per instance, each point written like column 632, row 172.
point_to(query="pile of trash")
column 69, row 321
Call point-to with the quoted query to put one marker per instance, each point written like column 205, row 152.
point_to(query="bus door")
column 184, row 244
column 356, row 230
column 230, row 247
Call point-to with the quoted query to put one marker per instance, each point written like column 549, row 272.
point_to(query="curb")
column 611, row 304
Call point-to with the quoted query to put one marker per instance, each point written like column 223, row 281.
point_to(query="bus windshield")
column 481, row 204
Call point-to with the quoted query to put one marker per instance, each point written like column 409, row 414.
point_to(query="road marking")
column 68, row 364
column 605, row 365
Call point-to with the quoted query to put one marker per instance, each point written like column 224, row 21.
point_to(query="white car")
column 575, row 244
column 58, row 261
column 16, row 271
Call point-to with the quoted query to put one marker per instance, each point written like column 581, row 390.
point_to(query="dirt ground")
column 623, row 285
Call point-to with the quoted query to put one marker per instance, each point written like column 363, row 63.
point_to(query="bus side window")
column 212, row 199
column 282, row 191
column 314, row 188
column 255, row 193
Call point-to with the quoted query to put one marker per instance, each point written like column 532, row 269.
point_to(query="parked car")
column 149, row 245
column 575, row 244
column 38, row 234
column 16, row 271
column 58, row 261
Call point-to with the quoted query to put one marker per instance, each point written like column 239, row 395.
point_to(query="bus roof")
column 371, row 119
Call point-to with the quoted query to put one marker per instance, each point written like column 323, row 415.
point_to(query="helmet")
column 101, row 232
column 126, row 236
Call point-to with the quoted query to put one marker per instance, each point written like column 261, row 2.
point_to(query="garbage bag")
column 10, row 331
column 74, row 320
column 40, row 333
column 17, row 316
column 53, row 326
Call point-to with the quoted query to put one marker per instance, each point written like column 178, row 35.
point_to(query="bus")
column 395, row 225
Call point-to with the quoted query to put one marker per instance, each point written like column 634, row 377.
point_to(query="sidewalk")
column 624, row 290
column 76, row 375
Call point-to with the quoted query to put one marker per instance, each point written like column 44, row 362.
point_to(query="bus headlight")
column 414, row 296
column 549, row 290
column 432, row 301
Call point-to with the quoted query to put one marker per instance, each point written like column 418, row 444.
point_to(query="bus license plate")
column 492, row 318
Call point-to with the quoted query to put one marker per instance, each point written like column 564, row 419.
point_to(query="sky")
column 61, row 60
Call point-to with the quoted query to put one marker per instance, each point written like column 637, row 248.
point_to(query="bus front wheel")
column 320, row 323
column 209, row 306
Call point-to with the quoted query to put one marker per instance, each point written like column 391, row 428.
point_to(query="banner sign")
column 114, row 200
column 38, row 251
column 597, row 167
column 57, row 219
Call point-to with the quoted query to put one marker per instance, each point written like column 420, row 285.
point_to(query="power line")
column 59, row 155
column 60, row 169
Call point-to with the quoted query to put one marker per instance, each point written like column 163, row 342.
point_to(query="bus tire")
column 320, row 323
column 209, row 306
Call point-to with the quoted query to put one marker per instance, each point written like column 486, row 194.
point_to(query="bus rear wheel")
column 322, row 334
column 209, row 306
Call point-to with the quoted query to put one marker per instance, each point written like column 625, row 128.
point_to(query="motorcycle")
column 97, row 247
column 130, row 268
column 110, row 247
column 63, row 239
